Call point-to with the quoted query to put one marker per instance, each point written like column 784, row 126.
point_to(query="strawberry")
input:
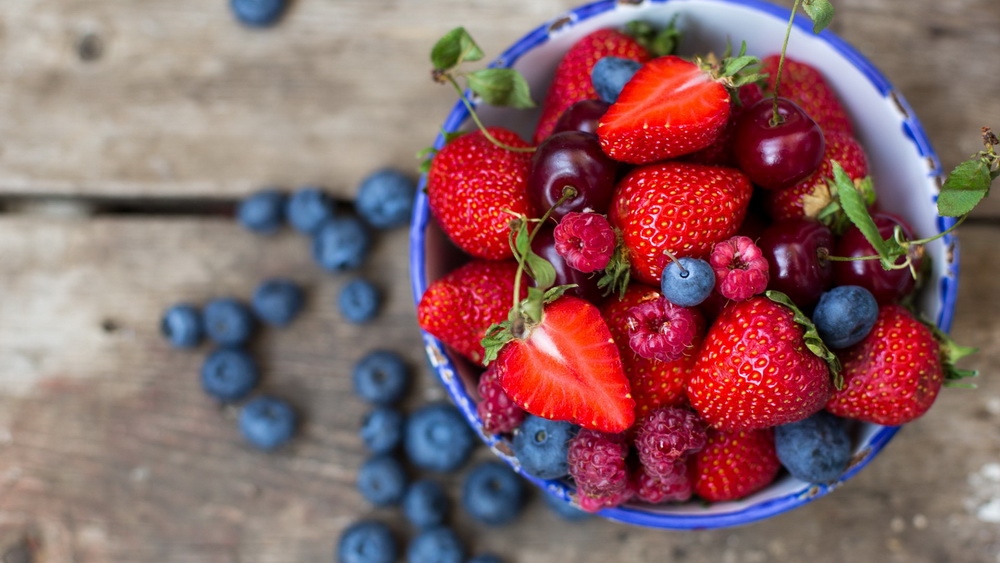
column 754, row 369
column 566, row 367
column 654, row 384
column 733, row 465
column 474, row 185
column 683, row 208
column 459, row 307
column 806, row 86
column 572, row 81
column 894, row 374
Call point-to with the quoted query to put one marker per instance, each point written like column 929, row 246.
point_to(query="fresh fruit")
column 439, row 543
column 665, row 436
column 382, row 429
column 674, row 486
column 887, row 286
column 735, row 464
column 893, row 375
column 660, row 330
column 307, row 208
column 497, row 411
column 542, row 446
column 381, row 377
column 229, row 374
column 777, row 144
column 227, row 321
column 267, row 422
column 678, row 207
column 367, row 541
column 806, row 86
column 382, row 480
column 544, row 245
column 610, row 74
column 425, row 503
column 459, row 307
column 258, row 13
column 597, row 463
column 571, row 159
column 492, row 493
column 262, row 212
column 182, row 325
column 582, row 116
column 796, row 253
column 341, row 243
column 585, row 240
column 687, row 282
column 740, row 269
column 754, row 369
column 385, row 198
column 845, row 315
column 721, row 152
column 277, row 301
column 474, row 186
column 359, row 301
column 572, row 83
column 437, row 438
column 816, row 449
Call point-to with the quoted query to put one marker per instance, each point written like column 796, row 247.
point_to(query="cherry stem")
column 775, row 118
column 568, row 192
column 479, row 124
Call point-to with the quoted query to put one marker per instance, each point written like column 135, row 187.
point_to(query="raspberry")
column 585, row 240
column 593, row 504
column 741, row 271
column 597, row 464
column 665, row 436
column 499, row 414
column 660, row 330
column 676, row 486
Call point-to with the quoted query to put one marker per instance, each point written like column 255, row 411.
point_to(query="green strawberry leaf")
column 811, row 337
column 952, row 352
column 496, row 337
column 617, row 273
column 454, row 48
column 558, row 291
column 657, row 42
column 820, row 12
column 501, row 87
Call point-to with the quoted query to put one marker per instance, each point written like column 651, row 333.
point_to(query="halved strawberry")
column 567, row 367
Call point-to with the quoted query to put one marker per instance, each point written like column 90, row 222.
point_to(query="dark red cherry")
column 582, row 116
column 886, row 285
column 544, row 245
column 796, row 253
column 571, row 159
column 777, row 155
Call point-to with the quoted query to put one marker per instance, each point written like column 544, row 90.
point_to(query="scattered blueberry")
column 267, row 422
column 439, row 544
column 277, row 301
column 493, row 493
column 229, row 374
column 437, row 437
column 359, row 301
column 308, row 208
column 687, row 282
column 486, row 558
column 816, row 450
column 367, row 541
column 385, row 199
column 341, row 243
column 541, row 445
column 425, row 504
column 227, row 321
column 564, row 509
column 610, row 74
column 182, row 326
column 381, row 377
column 845, row 315
column 258, row 13
column 382, row 480
column 262, row 212
column 382, row 429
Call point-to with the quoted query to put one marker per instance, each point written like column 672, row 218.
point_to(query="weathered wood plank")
column 110, row 452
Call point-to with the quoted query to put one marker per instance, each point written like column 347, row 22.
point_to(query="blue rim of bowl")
column 445, row 369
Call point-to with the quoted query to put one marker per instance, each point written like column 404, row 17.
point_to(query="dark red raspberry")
column 660, row 330
column 498, row 412
column 597, row 464
column 674, row 487
column 585, row 240
column 741, row 270
column 593, row 504
column 667, row 435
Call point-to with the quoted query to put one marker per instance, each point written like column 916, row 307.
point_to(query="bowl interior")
column 905, row 169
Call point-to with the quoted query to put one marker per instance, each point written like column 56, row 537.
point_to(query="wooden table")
column 126, row 131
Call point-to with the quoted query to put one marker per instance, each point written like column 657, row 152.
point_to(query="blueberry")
column 385, row 199
column 816, row 450
column 262, row 212
column 564, row 509
column 308, row 208
column 382, row 429
column 227, row 321
column 493, row 493
column 610, row 74
column 439, row 544
column 541, row 446
column 277, row 301
column 258, row 13
column 425, row 504
column 845, row 315
column 267, row 422
column 687, row 282
column 381, row 377
column 229, row 374
column 486, row 558
column 359, row 301
column 341, row 243
column 367, row 541
column 437, row 437
column 382, row 480
column 182, row 326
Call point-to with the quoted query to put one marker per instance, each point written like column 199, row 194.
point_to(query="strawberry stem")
column 475, row 117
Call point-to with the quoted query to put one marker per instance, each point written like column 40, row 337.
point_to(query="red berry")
column 498, row 412
column 582, row 116
column 571, row 159
column 660, row 330
column 741, row 271
column 585, row 240
column 665, row 436
column 806, row 86
column 544, row 245
column 735, row 464
column 887, row 286
column 675, row 486
column 796, row 253
column 777, row 154
column 597, row 463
